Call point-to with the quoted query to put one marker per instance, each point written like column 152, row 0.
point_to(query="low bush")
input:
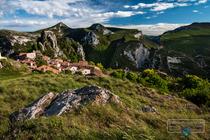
column 195, row 89
column 119, row 74
column 132, row 76
column 154, row 80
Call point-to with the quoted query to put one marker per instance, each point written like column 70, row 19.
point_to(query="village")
column 57, row 65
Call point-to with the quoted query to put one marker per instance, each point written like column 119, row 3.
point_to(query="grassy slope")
column 124, row 121
column 189, row 41
column 192, row 39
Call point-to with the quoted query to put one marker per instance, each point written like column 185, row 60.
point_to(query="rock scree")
column 53, row 104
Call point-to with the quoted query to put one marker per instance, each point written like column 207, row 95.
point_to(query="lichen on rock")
column 53, row 104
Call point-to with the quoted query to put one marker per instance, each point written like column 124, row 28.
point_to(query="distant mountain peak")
column 61, row 24
column 97, row 26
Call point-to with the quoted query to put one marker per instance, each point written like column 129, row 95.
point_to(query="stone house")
column 56, row 63
column 84, row 68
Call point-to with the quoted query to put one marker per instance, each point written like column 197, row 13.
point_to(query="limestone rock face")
column 57, row 104
column 81, row 52
column 48, row 40
column 138, row 56
column 91, row 39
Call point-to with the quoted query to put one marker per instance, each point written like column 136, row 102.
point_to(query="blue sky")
column 151, row 16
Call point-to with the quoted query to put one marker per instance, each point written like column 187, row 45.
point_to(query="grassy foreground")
column 125, row 121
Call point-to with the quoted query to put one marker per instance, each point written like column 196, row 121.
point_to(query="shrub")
column 132, row 76
column 197, row 96
column 148, row 72
column 191, row 81
column 100, row 66
column 154, row 80
column 195, row 89
column 119, row 74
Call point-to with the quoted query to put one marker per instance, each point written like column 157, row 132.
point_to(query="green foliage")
column 100, row 66
column 154, row 80
column 28, row 47
column 195, row 89
column 11, row 69
column 132, row 76
column 69, row 48
column 40, row 61
column 192, row 81
column 119, row 74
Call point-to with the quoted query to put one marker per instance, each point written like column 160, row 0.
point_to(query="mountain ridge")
column 118, row 48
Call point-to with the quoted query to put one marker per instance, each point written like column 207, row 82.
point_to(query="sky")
column 153, row 17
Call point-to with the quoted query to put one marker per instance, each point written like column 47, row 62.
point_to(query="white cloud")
column 195, row 11
column 160, row 6
column 75, row 12
column 153, row 29
column 202, row 1
column 1, row 13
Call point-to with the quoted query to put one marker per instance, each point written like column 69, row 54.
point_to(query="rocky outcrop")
column 148, row 108
column 91, row 39
column 35, row 109
column 172, row 62
column 101, row 29
column 58, row 104
column 138, row 56
column 80, row 52
column 47, row 41
column 139, row 35
column 21, row 40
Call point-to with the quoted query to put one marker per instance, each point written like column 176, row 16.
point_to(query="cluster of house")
column 58, row 65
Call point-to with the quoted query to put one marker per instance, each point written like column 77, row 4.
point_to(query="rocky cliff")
column 48, row 41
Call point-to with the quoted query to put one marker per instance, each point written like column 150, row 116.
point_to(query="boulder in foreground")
column 57, row 104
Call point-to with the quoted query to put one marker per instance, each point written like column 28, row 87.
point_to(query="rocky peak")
column 61, row 24
column 65, row 102
column 100, row 28
column 97, row 27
